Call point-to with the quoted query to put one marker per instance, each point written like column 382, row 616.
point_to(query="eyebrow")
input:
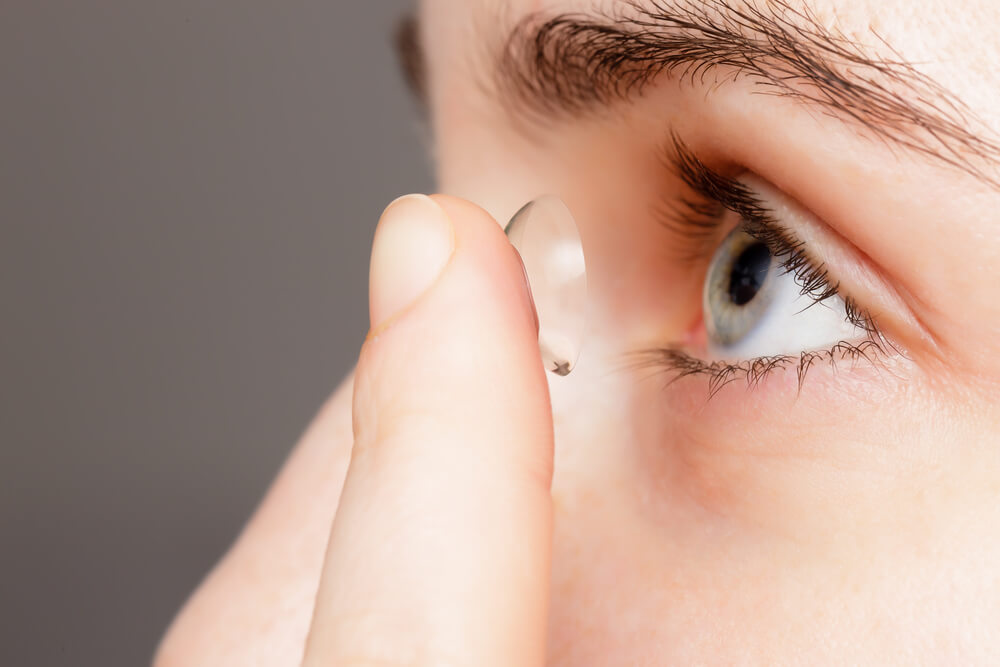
column 571, row 63
column 574, row 63
column 411, row 57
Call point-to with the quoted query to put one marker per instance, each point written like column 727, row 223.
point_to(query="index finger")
column 440, row 551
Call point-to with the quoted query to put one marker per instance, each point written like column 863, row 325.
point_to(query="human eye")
column 767, row 304
column 761, row 300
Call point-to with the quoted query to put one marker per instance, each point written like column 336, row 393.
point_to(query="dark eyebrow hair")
column 410, row 55
column 572, row 63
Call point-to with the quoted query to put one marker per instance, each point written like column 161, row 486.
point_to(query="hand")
column 440, row 549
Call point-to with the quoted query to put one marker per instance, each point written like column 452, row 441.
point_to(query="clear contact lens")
column 545, row 234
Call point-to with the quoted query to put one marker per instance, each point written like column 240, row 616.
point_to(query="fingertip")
column 452, row 466
column 413, row 242
column 479, row 221
column 472, row 214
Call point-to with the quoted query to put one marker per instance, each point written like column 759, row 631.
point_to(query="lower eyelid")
column 675, row 365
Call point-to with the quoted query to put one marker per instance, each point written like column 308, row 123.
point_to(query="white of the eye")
column 793, row 323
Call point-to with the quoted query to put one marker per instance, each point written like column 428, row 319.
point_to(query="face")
column 782, row 439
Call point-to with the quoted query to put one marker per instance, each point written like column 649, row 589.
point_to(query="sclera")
column 545, row 234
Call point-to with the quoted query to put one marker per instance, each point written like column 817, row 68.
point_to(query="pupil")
column 748, row 273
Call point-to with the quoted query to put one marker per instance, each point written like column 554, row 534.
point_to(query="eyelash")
column 697, row 222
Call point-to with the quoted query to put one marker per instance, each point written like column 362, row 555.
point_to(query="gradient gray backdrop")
column 188, row 192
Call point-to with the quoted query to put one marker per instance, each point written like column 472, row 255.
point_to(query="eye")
column 755, row 308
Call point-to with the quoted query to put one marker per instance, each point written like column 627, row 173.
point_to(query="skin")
column 853, row 521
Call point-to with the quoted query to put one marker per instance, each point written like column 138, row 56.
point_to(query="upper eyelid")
column 857, row 277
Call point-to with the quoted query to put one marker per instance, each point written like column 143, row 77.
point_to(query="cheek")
column 676, row 543
column 643, row 568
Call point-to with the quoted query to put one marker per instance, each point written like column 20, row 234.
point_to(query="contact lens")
column 546, row 236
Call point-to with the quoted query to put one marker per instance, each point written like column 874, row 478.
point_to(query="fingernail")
column 413, row 242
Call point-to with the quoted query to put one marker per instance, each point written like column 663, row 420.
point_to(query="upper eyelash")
column 699, row 222
column 723, row 193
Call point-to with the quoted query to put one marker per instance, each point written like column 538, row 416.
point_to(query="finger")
column 440, row 550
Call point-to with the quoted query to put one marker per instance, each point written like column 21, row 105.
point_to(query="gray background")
column 188, row 192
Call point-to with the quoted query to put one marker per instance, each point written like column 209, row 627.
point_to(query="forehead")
column 954, row 43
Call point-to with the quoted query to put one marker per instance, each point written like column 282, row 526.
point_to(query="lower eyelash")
column 678, row 364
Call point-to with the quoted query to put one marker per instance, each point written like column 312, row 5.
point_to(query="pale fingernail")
column 413, row 242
